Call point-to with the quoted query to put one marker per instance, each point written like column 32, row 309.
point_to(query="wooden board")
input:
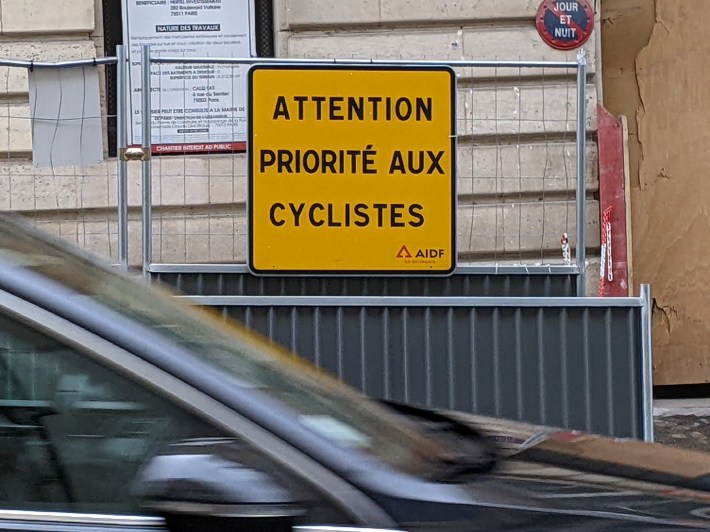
column 627, row 202
column 654, row 57
column 613, row 273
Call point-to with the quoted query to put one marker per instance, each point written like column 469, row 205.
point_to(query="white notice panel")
column 66, row 117
column 196, row 107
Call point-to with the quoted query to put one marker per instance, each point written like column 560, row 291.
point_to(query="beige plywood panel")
column 670, row 200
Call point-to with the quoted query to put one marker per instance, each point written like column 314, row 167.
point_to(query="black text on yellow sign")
column 351, row 170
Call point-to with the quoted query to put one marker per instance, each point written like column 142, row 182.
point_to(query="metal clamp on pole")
column 134, row 153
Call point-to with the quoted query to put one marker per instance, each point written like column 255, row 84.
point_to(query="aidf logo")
column 422, row 253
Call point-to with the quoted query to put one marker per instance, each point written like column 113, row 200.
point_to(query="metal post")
column 146, row 173
column 647, row 363
column 122, row 142
column 580, row 255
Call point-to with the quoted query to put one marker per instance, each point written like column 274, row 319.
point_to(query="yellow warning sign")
column 351, row 169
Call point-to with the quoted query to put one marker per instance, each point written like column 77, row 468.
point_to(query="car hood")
column 570, row 471
column 626, row 458
column 546, row 478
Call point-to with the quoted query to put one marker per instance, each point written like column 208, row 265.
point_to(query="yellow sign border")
column 354, row 272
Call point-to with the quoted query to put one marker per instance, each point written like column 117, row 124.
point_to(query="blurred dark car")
column 121, row 408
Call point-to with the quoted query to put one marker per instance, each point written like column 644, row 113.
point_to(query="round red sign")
column 565, row 24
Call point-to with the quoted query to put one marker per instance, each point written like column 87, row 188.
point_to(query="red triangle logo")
column 404, row 253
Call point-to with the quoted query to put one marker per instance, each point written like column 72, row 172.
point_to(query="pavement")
column 683, row 423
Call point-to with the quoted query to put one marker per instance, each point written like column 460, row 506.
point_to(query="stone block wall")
column 516, row 156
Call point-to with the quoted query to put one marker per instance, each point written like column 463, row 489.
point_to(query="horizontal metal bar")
column 326, row 528
column 85, row 519
column 409, row 301
column 469, row 269
column 379, row 62
column 58, row 64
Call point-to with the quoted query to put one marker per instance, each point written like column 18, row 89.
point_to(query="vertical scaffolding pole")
column 146, row 173
column 647, row 363
column 122, row 143
column 580, row 254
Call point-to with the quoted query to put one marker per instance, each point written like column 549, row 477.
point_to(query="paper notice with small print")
column 65, row 109
column 196, row 107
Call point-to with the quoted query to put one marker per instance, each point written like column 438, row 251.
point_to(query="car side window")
column 73, row 432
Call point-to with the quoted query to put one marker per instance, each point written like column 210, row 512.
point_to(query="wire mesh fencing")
column 199, row 126
column 519, row 130
column 56, row 170
column 517, row 173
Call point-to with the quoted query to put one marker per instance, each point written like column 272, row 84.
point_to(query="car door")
column 73, row 434
column 79, row 417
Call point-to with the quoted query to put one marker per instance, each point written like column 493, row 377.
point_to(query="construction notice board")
column 351, row 170
column 197, row 108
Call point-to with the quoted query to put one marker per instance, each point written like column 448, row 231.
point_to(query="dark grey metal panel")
column 459, row 284
column 576, row 366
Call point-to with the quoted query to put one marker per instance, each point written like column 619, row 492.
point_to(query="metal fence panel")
column 522, row 148
column 523, row 175
column 545, row 361
column 55, row 170
column 237, row 281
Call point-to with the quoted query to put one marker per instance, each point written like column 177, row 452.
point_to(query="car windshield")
column 318, row 401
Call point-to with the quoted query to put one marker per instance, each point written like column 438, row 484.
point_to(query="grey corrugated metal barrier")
column 579, row 363
column 236, row 280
